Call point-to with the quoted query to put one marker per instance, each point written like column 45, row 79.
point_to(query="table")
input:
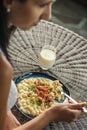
column 70, row 67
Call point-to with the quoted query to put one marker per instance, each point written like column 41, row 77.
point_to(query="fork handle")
column 74, row 101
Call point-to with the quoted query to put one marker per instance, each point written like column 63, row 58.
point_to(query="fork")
column 74, row 101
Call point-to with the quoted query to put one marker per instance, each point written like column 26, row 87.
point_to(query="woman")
column 25, row 14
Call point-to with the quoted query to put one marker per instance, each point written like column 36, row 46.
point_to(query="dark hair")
column 4, row 30
column 4, row 36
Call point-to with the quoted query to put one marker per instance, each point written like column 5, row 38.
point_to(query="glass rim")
column 53, row 48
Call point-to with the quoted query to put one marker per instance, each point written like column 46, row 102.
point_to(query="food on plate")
column 38, row 94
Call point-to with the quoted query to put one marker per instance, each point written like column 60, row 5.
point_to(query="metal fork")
column 74, row 101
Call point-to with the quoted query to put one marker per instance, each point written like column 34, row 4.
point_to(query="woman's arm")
column 37, row 123
column 63, row 112
column 5, row 80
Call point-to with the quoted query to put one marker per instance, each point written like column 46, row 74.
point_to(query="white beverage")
column 47, row 58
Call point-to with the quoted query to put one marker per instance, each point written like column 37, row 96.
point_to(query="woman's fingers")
column 69, row 101
column 78, row 106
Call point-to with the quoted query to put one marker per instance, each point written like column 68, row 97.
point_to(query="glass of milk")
column 47, row 57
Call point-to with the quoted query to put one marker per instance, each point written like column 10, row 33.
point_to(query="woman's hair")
column 4, row 36
column 4, row 30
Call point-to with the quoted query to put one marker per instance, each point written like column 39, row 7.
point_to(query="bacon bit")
column 39, row 87
column 47, row 100
column 41, row 93
column 51, row 99
column 37, row 91
column 28, row 94
column 45, row 95
column 40, row 99
column 44, row 89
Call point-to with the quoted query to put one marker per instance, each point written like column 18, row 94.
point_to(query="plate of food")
column 37, row 92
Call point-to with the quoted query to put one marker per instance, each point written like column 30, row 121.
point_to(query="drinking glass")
column 47, row 57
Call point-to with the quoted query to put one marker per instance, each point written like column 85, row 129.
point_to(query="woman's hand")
column 62, row 112
column 66, row 112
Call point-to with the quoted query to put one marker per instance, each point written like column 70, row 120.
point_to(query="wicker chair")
column 70, row 67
